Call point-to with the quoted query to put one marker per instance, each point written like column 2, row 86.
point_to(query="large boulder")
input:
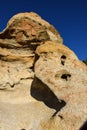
column 24, row 32
column 18, row 42
column 43, row 85
column 58, row 68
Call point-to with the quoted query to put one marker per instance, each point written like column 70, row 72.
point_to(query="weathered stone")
column 24, row 32
column 59, row 69
column 18, row 109
column 41, row 87
column 30, row 29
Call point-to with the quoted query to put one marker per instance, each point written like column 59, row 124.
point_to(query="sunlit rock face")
column 30, row 29
column 59, row 68
column 43, row 85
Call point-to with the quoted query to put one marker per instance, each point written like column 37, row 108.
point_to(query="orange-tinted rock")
column 30, row 28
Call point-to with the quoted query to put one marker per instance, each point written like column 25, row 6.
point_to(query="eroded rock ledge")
column 43, row 85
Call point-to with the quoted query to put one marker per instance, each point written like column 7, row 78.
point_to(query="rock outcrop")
column 43, row 84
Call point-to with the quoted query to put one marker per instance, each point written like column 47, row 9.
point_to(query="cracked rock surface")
column 43, row 84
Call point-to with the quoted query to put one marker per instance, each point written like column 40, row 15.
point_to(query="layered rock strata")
column 43, row 85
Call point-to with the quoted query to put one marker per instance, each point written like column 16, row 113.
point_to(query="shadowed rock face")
column 43, row 85
column 84, row 127
column 42, row 92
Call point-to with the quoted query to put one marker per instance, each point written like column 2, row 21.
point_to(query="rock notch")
column 43, row 84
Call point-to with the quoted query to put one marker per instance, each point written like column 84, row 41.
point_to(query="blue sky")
column 68, row 17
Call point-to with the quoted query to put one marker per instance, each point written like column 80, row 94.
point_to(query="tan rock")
column 30, row 28
column 18, row 109
column 54, row 96
column 18, row 42
column 59, row 69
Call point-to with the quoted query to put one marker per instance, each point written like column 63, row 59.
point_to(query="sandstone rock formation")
column 43, row 85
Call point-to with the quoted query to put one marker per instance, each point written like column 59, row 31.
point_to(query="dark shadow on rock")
column 84, row 126
column 42, row 92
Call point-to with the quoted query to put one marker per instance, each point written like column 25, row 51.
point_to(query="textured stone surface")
column 59, row 68
column 18, row 109
column 30, row 28
column 43, row 85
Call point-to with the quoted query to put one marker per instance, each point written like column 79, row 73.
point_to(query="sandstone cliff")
column 43, row 84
